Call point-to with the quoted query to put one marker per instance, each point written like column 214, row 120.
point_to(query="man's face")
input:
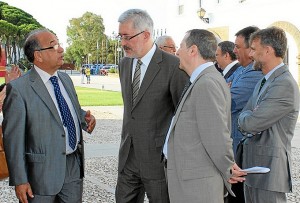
column 258, row 54
column 169, row 46
column 50, row 56
column 183, row 55
column 220, row 58
column 132, row 40
column 241, row 51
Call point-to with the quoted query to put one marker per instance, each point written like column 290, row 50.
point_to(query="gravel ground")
column 101, row 172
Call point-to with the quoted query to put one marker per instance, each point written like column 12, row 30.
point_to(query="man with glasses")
column 151, row 83
column 166, row 43
column 42, row 127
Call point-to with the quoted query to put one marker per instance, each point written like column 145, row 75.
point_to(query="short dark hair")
column 32, row 44
column 227, row 47
column 274, row 37
column 246, row 32
column 205, row 41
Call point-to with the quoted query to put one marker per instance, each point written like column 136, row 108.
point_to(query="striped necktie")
column 136, row 81
column 65, row 112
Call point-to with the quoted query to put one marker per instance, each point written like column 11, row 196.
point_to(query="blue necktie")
column 65, row 112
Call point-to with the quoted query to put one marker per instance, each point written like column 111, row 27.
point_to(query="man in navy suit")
column 242, row 84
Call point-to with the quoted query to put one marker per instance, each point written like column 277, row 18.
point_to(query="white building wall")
column 235, row 15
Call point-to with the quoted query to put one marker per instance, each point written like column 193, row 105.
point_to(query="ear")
column 146, row 35
column 38, row 56
column 193, row 50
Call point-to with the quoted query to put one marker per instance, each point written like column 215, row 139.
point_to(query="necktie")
column 65, row 112
column 186, row 87
column 136, row 81
column 262, row 84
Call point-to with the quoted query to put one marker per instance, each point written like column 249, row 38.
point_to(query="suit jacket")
column 145, row 124
column 200, row 148
column 34, row 137
column 271, row 116
column 232, row 70
column 242, row 86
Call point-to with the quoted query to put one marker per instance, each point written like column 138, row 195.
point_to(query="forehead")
column 126, row 27
column 46, row 38
column 239, row 40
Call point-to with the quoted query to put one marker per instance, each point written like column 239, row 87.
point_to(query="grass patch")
column 96, row 97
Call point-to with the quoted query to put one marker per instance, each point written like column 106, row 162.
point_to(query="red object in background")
column 2, row 63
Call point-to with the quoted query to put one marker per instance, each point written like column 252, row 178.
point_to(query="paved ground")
column 102, row 148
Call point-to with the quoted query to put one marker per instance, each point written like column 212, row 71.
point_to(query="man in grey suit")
column 198, row 146
column 269, row 120
column 151, row 83
column 43, row 127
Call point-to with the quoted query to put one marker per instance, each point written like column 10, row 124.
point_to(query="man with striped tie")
column 151, row 83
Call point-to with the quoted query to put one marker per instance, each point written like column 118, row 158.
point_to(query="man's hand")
column 237, row 175
column 22, row 191
column 90, row 120
column 14, row 73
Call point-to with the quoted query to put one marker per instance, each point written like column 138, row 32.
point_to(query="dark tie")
column 186, row 87
column 262, row 84
column 136, row 81
column 65, row 112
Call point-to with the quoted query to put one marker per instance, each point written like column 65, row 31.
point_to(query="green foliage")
column 96, row 97
column 15, row 24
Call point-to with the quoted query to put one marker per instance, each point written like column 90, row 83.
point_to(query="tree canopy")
column 87, row 41
column 15, row 24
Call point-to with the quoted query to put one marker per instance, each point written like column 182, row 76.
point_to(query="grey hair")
column 32, row 44
column 140, row 18
column 161, row 41
column 205, row 41
column 274, row 37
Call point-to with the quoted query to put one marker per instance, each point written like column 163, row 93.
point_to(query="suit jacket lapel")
column 39, row 87
column 150, row 74
column 232, row 69
column 208, row 69
column 273, row 76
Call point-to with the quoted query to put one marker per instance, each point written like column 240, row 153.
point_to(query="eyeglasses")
column 170, row 47
column 55, row 47
column 127, row 38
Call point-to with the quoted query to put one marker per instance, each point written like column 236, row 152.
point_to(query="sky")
column 55, row 14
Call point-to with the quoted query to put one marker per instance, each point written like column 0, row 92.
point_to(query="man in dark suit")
column 151, row 83
column 226, row 58
column 242, row 83
column 269, row 120
column 42, row 127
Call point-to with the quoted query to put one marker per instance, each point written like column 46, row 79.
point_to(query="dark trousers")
column 72, row 189
column 238, row 190
column 131, row 185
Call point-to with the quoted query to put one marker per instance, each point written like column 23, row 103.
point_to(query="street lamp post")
column 89, row 57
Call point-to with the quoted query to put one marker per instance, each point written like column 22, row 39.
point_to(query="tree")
column 15, row 24
column 86, row 37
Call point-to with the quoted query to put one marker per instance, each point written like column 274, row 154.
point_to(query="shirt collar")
column 44, row 75
column 229, row 66
column 273, row 70
column 198, row 70
column 147, row 58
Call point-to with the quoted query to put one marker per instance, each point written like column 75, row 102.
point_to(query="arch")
column 295, row 33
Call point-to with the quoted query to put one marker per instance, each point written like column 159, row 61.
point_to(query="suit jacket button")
column 132, row 118
column 63, row 135
column 64, row 153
